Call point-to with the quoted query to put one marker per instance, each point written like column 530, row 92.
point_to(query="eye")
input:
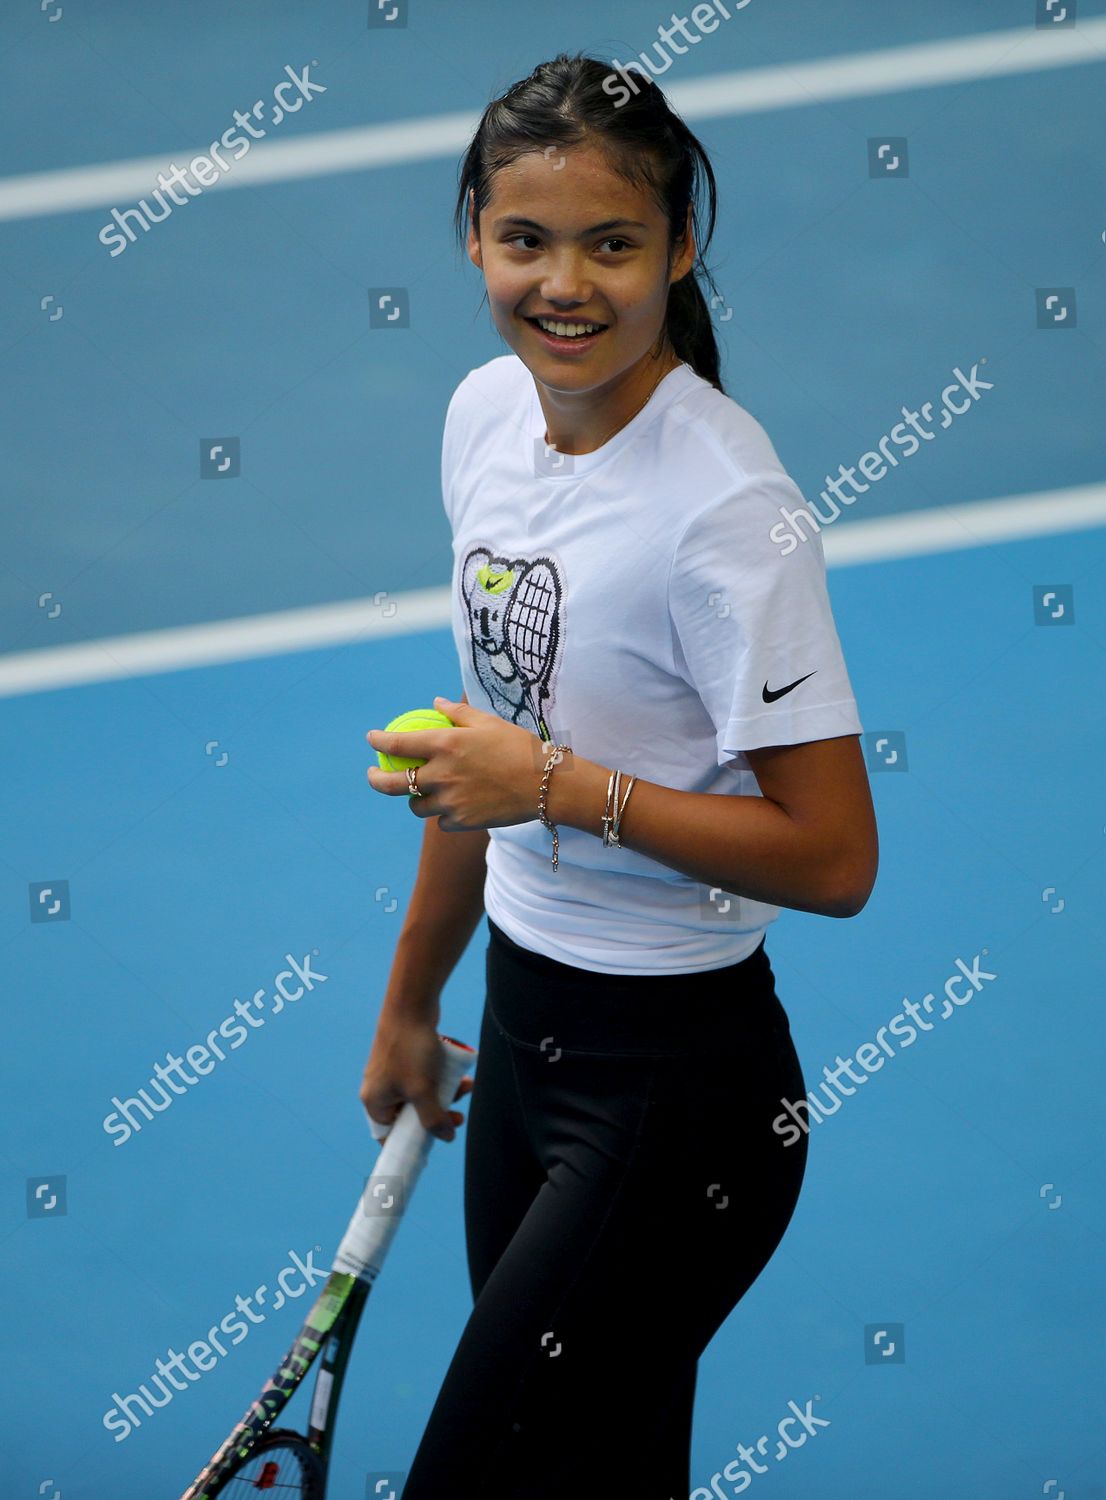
column 610, row 240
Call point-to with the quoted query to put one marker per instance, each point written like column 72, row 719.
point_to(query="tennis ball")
column 415, row 718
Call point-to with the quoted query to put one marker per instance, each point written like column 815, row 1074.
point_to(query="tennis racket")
column 258, row 1458
column 532, row 629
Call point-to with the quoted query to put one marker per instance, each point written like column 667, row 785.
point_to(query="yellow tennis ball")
column 415, row 718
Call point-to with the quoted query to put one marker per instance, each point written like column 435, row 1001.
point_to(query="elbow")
column 847, row 906
column 852, row 889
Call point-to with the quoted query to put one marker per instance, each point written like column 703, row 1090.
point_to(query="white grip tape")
column 389, row 1188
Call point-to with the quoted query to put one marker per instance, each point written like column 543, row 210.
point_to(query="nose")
column 565, row 283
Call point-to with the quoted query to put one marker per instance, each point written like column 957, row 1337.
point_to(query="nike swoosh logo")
column 771, row 694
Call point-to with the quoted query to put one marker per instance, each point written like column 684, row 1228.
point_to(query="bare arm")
column 809, row 842
column 446, row 906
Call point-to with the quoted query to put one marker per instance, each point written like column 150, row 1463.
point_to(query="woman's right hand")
column 404, row 1064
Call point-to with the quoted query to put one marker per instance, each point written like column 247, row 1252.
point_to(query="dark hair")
column 570, row 101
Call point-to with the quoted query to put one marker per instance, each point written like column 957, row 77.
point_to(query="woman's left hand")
column 483, row 773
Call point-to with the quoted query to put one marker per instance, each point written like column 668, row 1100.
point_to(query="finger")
column 392, row 783
column 418, row 744
column 446, row 1127
column 432, row 1117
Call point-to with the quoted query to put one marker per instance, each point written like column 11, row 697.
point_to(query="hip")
column 723, row 1011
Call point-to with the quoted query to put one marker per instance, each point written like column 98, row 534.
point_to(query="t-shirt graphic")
column 513, row 607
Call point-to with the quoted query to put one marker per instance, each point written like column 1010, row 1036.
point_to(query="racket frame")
column 331, row 1324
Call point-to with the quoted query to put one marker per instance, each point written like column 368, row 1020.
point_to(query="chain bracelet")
column 543, row 794
column 612, row 812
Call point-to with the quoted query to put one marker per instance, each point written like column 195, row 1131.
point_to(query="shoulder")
column 491, row 387
column 733, row 482
column 732, row 435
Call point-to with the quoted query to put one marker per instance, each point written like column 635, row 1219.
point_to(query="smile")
column 562, row 334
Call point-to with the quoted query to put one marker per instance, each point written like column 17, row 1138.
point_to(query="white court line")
column 887, row 70
column 977, row 524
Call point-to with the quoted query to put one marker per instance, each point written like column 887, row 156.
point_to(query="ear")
column 473, row 247
column 685, row 259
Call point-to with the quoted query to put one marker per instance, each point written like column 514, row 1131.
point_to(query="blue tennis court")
column 226, row 559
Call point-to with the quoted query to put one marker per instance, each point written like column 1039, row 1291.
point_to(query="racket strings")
column 281, row 1471
column 530, row 624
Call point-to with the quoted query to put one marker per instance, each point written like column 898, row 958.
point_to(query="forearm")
column 446, row 905
column 748, row 846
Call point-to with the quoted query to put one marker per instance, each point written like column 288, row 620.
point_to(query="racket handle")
column 402, row 1157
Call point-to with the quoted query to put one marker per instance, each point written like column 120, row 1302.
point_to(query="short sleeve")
column 449, row 454
column 752, row 626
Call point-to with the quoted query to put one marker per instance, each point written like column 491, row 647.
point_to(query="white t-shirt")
column 631, row 603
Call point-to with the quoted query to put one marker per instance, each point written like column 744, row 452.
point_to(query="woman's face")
column 563, row 237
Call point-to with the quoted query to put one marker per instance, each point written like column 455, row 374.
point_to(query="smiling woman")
column 618, row 606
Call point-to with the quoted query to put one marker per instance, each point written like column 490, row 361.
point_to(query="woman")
column 616, row 594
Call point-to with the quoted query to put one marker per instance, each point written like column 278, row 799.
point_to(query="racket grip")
column 398, row 1166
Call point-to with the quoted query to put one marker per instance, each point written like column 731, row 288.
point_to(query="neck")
column 579, row 423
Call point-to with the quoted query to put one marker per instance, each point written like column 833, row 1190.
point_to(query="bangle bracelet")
column 612, row 812
column 615, row 840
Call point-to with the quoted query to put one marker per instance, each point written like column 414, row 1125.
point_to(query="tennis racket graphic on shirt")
column 258, row 1458
column 531, row 628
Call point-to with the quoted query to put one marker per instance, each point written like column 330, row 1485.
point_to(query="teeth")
column 568, row 330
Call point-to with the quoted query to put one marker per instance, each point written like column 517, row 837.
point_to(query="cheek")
column 642, row 303
column 506, row 287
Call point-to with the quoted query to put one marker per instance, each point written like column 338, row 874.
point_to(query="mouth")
column 576, row 334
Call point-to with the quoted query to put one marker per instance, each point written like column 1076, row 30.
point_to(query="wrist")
column 401, row 1008
column 578, row 794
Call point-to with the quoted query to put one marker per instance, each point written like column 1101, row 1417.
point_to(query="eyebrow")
column 595, row 228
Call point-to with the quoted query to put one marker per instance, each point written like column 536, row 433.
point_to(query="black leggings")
column 623, row 1190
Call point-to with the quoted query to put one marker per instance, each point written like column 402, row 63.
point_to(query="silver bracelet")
column 612, row 820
